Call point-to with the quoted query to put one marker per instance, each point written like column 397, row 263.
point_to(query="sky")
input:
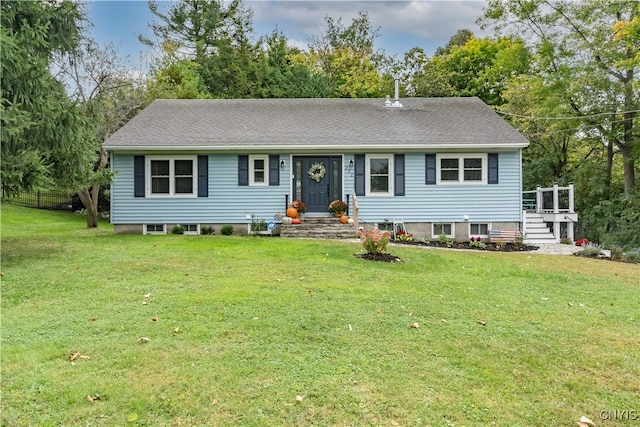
column 402, row 24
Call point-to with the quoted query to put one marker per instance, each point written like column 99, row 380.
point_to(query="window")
column 258, row 170
column 154, row 229
column 440, row 228
column 191, row 228
column 463, row 168
column 379, row 174
column 478, row 230
column 171, row 176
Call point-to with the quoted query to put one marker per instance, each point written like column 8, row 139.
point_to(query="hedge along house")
column 447, row 166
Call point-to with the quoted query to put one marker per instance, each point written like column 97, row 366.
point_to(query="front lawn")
column 213, row 330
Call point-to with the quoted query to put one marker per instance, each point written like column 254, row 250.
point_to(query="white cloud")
column 403, row 24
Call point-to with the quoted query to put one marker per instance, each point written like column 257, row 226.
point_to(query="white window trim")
column 368, row 158
column 252, row 175
column 480, row 235
column 192, row 232
column 453, row 229
column 164, row 229
column 461, row 157
column 172, row 183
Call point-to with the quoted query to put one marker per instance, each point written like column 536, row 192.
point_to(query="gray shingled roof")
column 315, row 124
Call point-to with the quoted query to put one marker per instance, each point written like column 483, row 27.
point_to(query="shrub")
column 206, row 230
column 226, row 230
column 374, row 241
column 477, row 244
column 632, row 255
column 177, row 229
column 591, row 250
column 617, row 254
column 258, row 224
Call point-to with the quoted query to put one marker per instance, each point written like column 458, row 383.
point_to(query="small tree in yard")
column 110, row 95
column 375, row 241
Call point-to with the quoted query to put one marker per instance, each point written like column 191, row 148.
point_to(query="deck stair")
column 319, row 228
column 536, row 230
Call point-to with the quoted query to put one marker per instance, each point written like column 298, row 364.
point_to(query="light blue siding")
column 448, row 203
column 230, row 203
column 227, row 202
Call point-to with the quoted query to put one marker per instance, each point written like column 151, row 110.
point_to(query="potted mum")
column 296, row 208
column 337, row 208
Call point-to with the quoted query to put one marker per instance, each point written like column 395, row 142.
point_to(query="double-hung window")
column 259, row 170
column 380, row 175
column 462, row 169
column 171, row 176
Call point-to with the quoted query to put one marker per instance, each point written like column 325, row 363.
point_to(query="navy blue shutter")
column 430, row 169
column 138, row 176
column 398, row 170
column 493, row 168
column 274, row 170
column 359, row 174
column 243, row 170
column 203, row 176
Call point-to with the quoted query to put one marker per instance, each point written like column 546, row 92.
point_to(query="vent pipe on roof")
column 396, row 102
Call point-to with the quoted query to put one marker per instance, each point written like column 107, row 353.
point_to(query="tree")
column 285, row 73
column 109, row 93
column 197, row 29
column 45, row 136
column 589, row 51
column 480, row 67
column 346, row 57
column 215, row 36
column 460, row 38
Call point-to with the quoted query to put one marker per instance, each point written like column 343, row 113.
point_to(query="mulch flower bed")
column 504, row 247
column 384, row 257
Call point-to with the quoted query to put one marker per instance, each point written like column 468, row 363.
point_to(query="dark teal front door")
column 317, row 181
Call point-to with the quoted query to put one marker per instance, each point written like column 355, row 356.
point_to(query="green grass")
column 245, row 324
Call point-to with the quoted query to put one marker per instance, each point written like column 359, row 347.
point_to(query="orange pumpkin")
column 344, row 219
column 292, row 212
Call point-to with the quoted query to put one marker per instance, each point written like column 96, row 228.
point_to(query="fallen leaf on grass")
column 144, row 303
column 443, row 321
column 147, row 295
column 154, row 319
column 585, row 422
column 93, row 319
column 480, row 322
column 93, row 398
column 77, row 355
column 143, row 340
column 299, row 398
column 350, row 328
column 570, row 304
column 394, row 423
column 415, row 325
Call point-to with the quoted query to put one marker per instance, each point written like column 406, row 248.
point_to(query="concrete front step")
column 318, row 228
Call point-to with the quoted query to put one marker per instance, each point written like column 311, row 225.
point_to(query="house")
column 447, row 166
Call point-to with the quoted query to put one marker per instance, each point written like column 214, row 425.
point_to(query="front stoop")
column 318, row 228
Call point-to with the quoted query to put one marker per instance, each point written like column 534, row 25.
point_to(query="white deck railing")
column 549, row 200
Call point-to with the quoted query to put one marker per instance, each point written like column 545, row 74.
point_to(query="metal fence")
column 44, row 200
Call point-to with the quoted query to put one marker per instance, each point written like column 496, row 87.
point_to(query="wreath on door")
column 317, row 171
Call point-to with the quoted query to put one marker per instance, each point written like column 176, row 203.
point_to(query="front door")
column 317, row 181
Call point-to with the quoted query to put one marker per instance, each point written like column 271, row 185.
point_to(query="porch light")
column 351, row 164
column 282, row 163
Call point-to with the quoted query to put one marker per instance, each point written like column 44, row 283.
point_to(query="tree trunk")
column 90, row 206
column 90, row 199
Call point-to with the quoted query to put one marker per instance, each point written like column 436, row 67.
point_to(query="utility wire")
column 566, row 118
